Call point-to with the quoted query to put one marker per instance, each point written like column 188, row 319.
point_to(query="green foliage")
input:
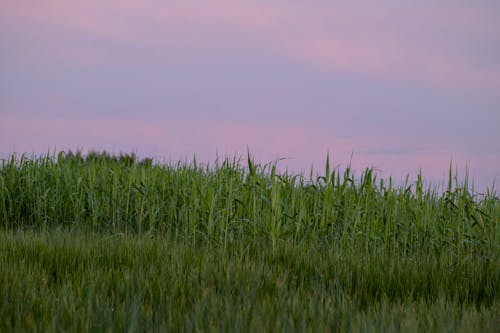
column 74, row 281
column 102, row 242
column 227, row 203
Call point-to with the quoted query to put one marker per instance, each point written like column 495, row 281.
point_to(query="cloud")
column 388, row 151
column 301, row 146
column 331, row 37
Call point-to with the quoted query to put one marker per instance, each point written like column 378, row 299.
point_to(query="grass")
column 114, row 243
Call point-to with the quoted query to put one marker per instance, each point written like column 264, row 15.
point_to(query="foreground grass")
column 102, row 243
column 65, row 281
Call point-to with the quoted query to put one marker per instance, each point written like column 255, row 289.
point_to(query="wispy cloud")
column 367, row 40
column 388, row 151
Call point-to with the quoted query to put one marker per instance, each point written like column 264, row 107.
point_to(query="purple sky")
column 401, row 85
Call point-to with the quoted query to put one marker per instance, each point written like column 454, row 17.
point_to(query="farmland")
column 115, row 243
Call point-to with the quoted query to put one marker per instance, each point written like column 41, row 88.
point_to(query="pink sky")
column 403, row 86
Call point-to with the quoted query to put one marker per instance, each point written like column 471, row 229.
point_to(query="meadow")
column 99, row 242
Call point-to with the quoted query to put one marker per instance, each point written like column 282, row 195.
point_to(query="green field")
column 115, row 243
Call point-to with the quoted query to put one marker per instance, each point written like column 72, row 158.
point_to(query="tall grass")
column 229, row 202
column 102, row 242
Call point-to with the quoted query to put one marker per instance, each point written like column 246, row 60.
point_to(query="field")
column 115, row 243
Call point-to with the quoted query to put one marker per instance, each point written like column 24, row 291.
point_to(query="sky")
column 399, row 86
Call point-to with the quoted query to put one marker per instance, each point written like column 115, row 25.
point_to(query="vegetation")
column 102, row 242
